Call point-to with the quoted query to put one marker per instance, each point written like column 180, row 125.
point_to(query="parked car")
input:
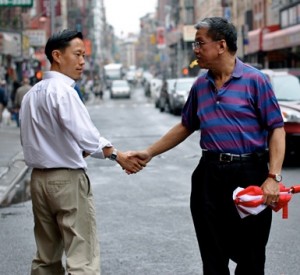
column 287, row 90
column 120, row 88
column 293, row 71
column 164, row 96
column 155, row 86
column 130, row 76
column 180, row 94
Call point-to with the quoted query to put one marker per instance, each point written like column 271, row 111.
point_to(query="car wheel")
column 177, row 112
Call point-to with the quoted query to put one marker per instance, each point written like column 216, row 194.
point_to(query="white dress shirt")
column 56, row 127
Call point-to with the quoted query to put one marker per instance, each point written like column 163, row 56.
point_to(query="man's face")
column 206, row 50
column 71, row 60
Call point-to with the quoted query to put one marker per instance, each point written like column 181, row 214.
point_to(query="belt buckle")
column 225, row 157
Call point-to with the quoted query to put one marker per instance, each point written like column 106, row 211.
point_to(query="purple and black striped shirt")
column 237, row 118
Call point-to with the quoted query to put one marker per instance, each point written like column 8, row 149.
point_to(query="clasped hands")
column 133, row 161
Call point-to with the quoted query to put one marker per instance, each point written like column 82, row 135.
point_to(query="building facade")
column 268, row 34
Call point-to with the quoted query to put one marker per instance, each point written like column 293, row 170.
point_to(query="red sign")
column 88, row 47
column 160, row 37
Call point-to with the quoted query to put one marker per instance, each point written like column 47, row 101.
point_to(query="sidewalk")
column 12, row 165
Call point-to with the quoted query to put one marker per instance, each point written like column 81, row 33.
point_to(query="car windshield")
column 120, row 83
column 287, row 88
column 184, row 85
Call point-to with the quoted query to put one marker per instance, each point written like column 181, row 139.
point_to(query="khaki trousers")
column 64, row 222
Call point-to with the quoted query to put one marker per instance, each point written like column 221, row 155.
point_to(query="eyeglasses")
column 199, row 44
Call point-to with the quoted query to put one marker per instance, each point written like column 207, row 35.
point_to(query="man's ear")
column 56, row 54
column 223, row 45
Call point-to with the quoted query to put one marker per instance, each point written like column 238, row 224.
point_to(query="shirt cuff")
column 99, row 153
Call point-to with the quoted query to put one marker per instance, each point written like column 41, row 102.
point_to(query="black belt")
column 228, row 157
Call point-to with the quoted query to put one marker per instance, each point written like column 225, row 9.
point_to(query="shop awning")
column 255, row 41
column 280, row 39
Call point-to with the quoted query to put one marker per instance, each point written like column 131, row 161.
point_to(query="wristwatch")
column 114, row 155
column 276, row 177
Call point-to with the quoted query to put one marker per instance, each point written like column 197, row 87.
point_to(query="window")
column 284, row 18
column 293, row 15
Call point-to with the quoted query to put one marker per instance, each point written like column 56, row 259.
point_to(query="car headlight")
column 290, row 116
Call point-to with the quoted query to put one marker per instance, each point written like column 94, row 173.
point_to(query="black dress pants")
column 221, row 233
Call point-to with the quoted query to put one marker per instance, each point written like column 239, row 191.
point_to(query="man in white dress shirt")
column 56, row 134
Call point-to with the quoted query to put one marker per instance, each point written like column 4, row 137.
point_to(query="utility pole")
column 52, row 15
column 64, row 14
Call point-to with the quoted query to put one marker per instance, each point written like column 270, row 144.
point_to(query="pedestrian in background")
column 21, row 91
column 3, row 98
column 97, row 87
column 56, row 134
column 15, row 86
column 235, row 109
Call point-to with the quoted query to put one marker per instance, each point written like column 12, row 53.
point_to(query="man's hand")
column 130, row 163
column 85, row 154
column 144, row 155
column 271, row 191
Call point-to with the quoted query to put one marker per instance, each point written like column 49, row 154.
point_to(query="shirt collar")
column 237, row 71
column 54, row 74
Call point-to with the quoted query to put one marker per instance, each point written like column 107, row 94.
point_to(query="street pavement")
column 143, row 220
column 12, row 165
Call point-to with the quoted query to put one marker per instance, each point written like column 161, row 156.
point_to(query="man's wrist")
column 276, row 177
column 114, row 155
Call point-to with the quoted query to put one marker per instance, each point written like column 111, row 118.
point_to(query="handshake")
column 133, row 161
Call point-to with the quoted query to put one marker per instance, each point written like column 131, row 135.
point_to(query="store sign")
column 189, row 33
column 16, row 3
column 37, row 38
column 160, row 38
column 11, row 44
column 25, row 46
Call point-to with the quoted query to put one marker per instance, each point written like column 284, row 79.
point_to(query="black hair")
column 220, row 28
column 60, row 41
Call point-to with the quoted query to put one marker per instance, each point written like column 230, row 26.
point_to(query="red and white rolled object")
column 249, row 200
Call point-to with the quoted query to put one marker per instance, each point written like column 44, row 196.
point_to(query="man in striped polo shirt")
column 235, row 109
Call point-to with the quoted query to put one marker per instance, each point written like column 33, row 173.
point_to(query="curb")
column 10, row 177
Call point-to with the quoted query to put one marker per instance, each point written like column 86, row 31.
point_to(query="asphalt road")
column 144, row 222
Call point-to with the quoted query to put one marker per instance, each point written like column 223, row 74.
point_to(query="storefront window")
column 293, row 16
column 284, row 18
